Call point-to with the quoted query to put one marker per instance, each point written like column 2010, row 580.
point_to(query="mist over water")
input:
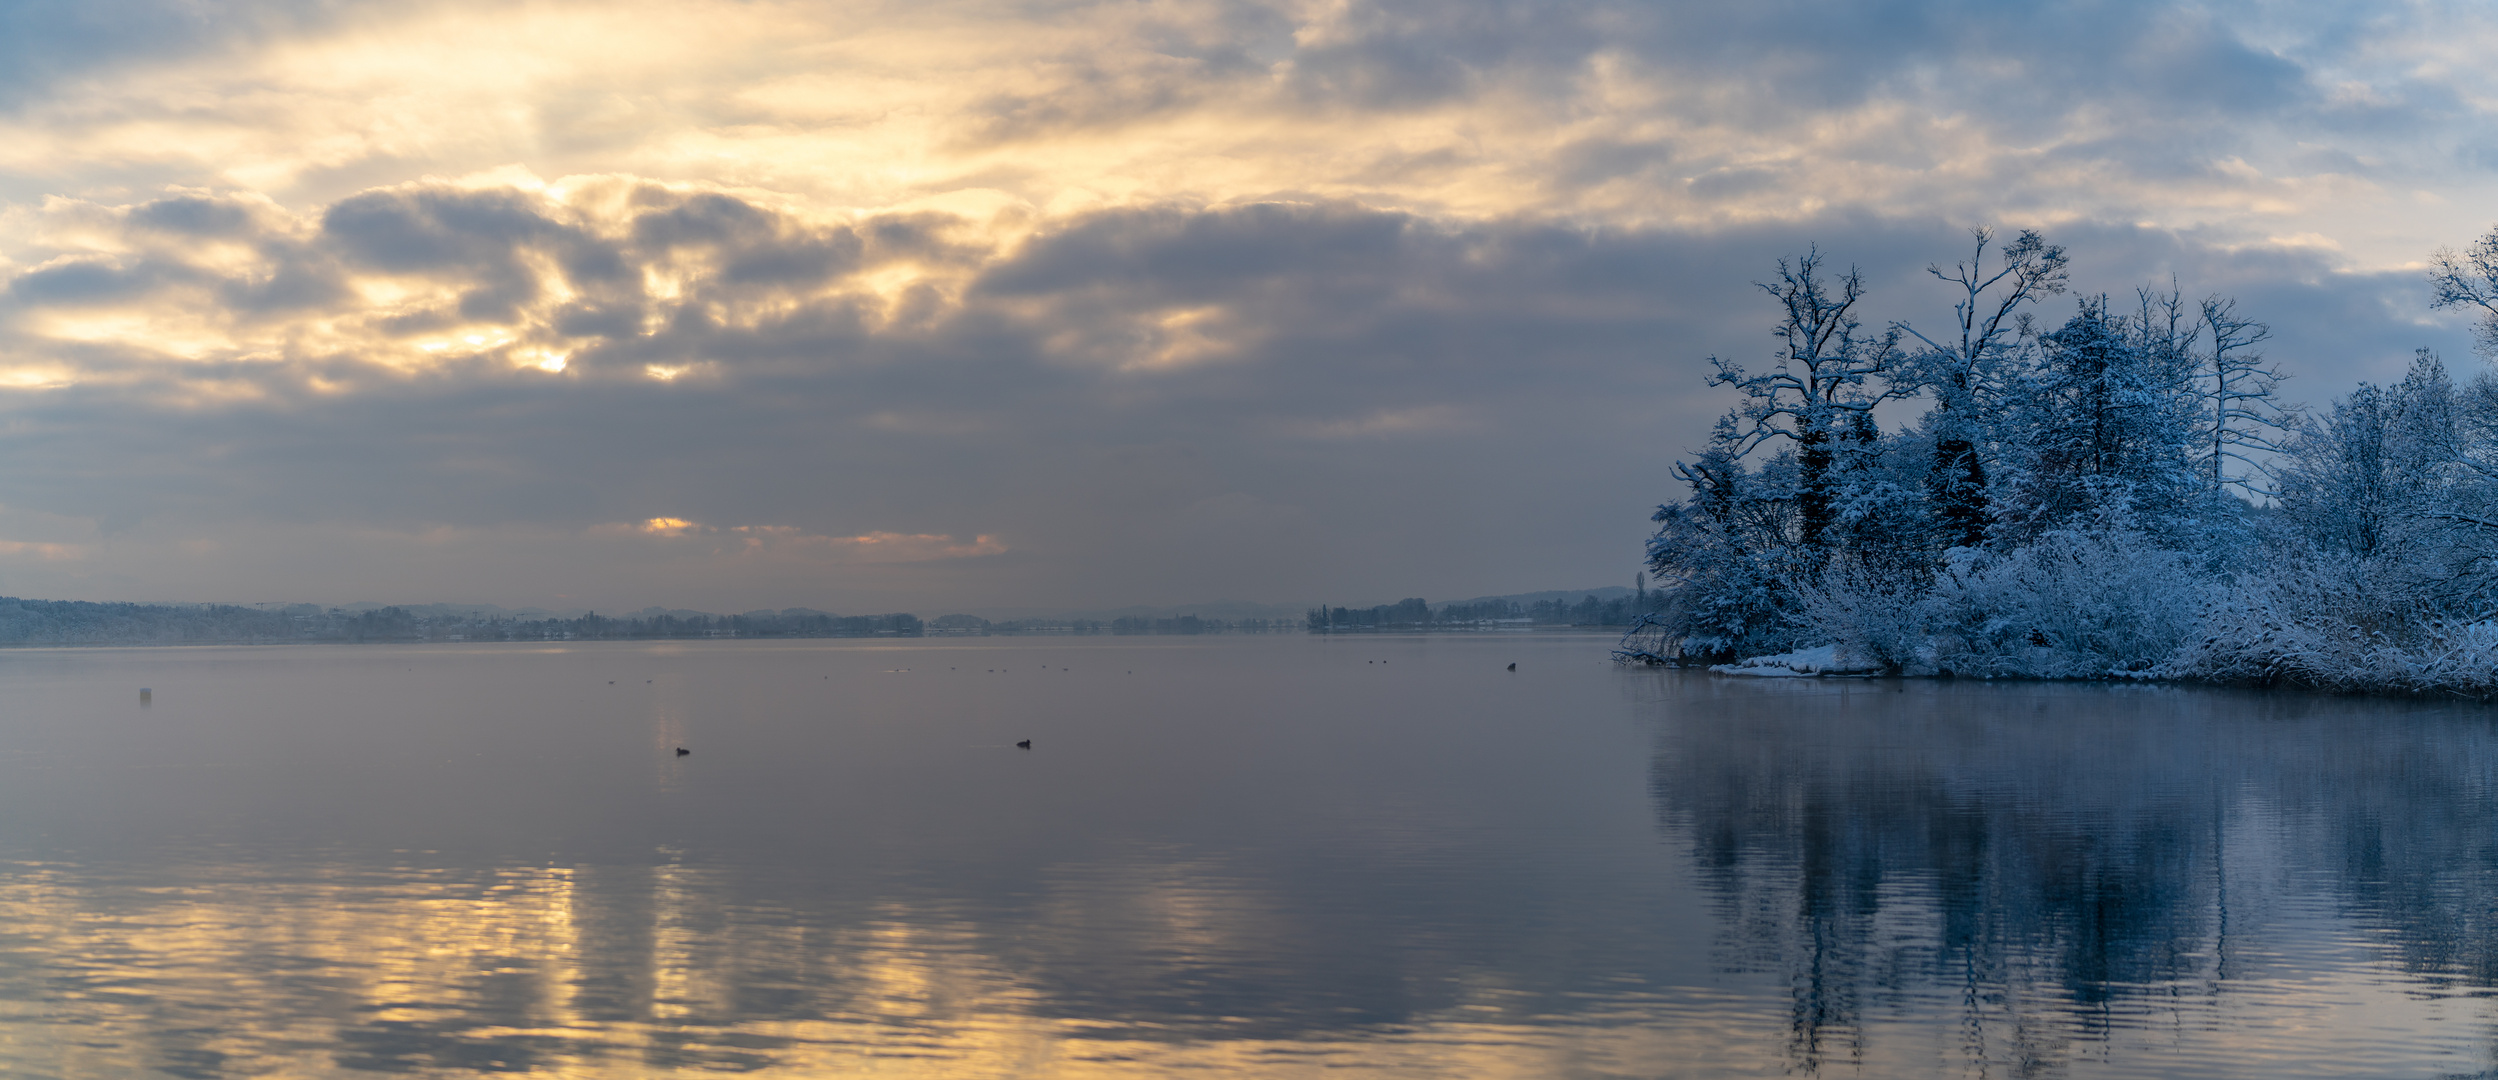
column 1269, row 855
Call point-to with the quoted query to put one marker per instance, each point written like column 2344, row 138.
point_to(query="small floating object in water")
column 1025, row 744
column 146, row 695
column 1513, row 667
column 681, row 751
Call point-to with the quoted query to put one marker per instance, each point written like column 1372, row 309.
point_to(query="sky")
column 1018, row 307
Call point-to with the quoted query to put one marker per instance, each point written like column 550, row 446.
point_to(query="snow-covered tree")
column 2121, row 458
column 2470, row 279
column 1826, row 372
column 1725, row 558
column 2242, row 418
column 2103, row 414
column 1964, row 365
column 2363, row 478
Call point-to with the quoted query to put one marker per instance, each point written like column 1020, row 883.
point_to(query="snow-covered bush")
column 2079, row 603
column 1872, row 612
column 2343, row 625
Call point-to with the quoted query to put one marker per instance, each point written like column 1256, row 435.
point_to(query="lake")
column 1238, row 855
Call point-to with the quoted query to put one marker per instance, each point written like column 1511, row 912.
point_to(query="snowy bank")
column 1818, row 660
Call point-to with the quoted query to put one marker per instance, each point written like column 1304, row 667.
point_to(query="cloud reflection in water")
column 1260, row 856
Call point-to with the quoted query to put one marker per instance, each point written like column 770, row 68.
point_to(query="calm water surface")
column 1261, row 856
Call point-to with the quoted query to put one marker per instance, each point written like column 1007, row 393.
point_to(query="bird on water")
column 1025, row 744
column 681, row 751
column 1513, row 667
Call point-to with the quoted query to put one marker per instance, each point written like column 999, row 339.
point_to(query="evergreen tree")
column 2103, row 415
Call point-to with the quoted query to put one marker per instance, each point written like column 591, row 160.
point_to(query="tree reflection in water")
column 1267, row 858
column 2059, row 861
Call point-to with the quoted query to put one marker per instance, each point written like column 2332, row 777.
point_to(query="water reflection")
column 445, row 862
column 2067, row 870
column 582, row 972
column 1268, row 858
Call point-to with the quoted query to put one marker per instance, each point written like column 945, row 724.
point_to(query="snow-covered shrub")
column 1872, row 611
column 1739, row 605
column 2075, row 604
column 2344, row 625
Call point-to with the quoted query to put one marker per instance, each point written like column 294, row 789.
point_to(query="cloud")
column 1277, row 300
column 1367, row 376
column 748, row 541
column 1460, row 108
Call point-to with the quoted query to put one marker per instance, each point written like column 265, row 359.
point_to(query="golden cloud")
column 788, row 540
column 869, row 108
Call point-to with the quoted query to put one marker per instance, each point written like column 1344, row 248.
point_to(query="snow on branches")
column 2118, row 495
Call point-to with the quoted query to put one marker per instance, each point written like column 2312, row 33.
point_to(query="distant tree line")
column 79, row 622
column 1180, row 624
column 1413, row 614
column 2118, row 494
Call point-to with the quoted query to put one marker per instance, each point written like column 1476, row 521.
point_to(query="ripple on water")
column 1259, row 859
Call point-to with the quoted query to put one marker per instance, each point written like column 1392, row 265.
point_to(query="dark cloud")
column 2025, row 61
column 429, row 227
column 1354, row 402
column 82, row 281
column 749, row 245
column 193, row 215
column 1465, row 368
column 1597, row 160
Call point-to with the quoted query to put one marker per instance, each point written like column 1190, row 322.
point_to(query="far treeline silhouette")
column 1413, row 613
column 81, row 622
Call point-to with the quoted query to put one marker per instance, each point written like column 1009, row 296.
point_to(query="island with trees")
column 2121, row 494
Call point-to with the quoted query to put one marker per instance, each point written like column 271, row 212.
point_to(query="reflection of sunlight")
column 686, row 982
column 657, row 969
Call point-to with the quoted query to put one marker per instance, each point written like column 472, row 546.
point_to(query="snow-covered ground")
column 1818, row 660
